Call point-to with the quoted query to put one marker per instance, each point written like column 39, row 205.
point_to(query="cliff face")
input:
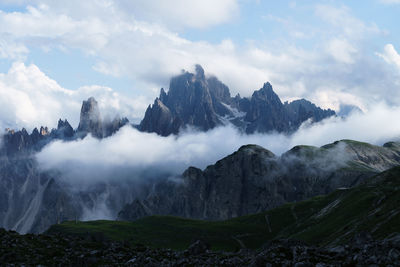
column 92, row 123
column 253, row 179
column 22, row 143
column 90, row 120
column 194, row 100
column 31, row 200
column 250, row 180
column 266, row 112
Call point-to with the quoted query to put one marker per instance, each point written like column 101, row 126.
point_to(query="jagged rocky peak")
column 163, row 95
column 64, row 130
column 219, row 90
column 301, row 110
column 89, row 112
column 158, row 118
column 253, row 180
column 204, row 102
column 266, row 92
column 200, row 72
column 189, row 102
column 266, row 112
column 44, row 130
column 111, row 127
column 90, row 120
column 266, row 96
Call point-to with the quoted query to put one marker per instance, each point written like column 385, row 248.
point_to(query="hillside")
column 253, row 180
column 324, row 220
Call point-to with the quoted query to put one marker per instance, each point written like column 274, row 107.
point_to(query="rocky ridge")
column 253, row 180
column 17, row 143
column 194, row 100
column 31, row 199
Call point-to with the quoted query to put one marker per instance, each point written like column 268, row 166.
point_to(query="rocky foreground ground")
column 46, row 250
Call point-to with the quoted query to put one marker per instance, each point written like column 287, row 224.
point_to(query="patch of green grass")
column 330, row 219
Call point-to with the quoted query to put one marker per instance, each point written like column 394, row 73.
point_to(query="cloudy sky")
column 54, row 54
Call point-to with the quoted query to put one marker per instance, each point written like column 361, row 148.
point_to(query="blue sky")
column 123, row 52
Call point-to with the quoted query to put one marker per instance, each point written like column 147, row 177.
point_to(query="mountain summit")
column 92, row 123
column 194, row 100
column 21, row 142
column 191, row 101
column 90, row 120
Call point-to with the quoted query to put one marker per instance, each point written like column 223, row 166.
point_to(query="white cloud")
column 183, row 13
column 9, row 49
column 29, row 98
column 390, row 55
column 137, row 45
column 346, row 23
column 342, row 51
column 177, row 14
column 139, row 152
column 374, row 126
column 330, row 98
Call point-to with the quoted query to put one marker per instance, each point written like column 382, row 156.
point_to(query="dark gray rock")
column 92, row 123
column 159, row 119
column 201, row 102
column 198, row 247
column 266, row 112
column 253, row 180
column 64, row 250
column 191, row 101
column 64, row 130
column 17, row 143
column 111, row 127
column 90, row 120
column 302, row 110
column 21, row 143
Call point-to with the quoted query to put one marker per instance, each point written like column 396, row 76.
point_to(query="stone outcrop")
column 33, row 250
column 266, row 112
column 253, row 179
column 30, row 199
column 90, row 120
column 21, row 143
column 194, row 100
column 92, row 123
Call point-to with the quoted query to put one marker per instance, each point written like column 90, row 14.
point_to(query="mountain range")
column 21, row 142
column 250, row 180
column 194, row 100
column 253, row 180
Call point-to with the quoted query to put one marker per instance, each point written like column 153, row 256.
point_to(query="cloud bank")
column 29, row 98
column 141, row 155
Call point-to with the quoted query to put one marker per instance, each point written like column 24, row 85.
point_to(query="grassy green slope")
column 325, row 220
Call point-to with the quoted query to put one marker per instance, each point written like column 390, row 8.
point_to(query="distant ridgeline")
column 205, row 102
column 249, row 181
column 32, row 199
column 17, row 142
column 192, row 100
column 253, row 180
